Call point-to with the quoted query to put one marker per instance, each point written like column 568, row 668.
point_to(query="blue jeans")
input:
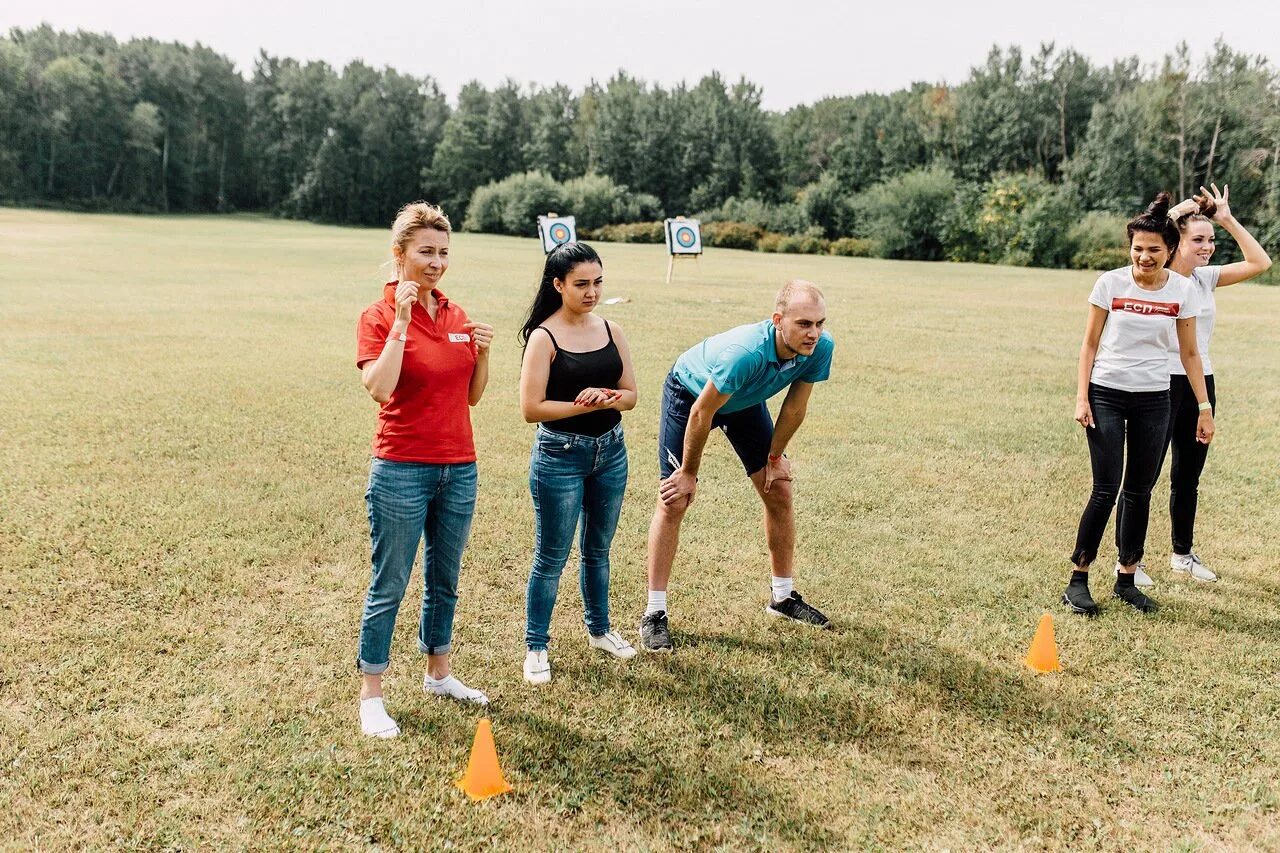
column 410, row 501
column 570, row 476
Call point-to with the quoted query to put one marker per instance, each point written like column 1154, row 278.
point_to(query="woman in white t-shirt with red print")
column 1135, row 315
column 1194, row 218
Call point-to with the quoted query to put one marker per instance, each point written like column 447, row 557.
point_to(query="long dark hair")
column 1155, row 220
column 547, row 300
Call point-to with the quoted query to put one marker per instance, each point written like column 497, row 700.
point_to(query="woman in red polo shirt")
column 426, row 364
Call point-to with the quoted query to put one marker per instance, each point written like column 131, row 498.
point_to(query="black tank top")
column 573, row 371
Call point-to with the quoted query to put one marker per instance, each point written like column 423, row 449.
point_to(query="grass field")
column 183, row 549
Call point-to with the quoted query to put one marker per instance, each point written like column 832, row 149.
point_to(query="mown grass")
column 183, row 546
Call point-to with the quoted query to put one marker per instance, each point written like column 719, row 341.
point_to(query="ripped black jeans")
column 1132, row 421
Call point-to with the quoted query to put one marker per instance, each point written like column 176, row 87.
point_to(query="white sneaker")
column 454, row 689
column 612, row 643
column 374, row 719
column 1140, row 576
column 1191, row 563
column 536, row 668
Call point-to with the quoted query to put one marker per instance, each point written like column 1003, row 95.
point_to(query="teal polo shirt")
column 744, row 362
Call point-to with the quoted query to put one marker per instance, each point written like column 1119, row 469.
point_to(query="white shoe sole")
column 623, row 654
column 1194, row 576
column 538, row 678
column 386, row 734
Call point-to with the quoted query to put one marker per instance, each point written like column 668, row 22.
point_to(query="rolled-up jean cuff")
column 372, row 668
column 434, row 650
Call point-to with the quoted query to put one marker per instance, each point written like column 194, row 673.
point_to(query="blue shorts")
column 750, row 431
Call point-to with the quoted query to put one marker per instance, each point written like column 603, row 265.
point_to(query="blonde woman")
column 425, row 364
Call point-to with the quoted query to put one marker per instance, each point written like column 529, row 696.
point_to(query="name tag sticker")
column 459, row 338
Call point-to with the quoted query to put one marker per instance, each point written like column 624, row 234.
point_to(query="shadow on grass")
column 865, row 684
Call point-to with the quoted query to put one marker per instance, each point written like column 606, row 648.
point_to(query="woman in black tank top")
column 575, row 382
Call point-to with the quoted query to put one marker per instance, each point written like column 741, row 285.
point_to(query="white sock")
column 454, row 689
column 374, row 719
column 782, row 587
column 657, row 601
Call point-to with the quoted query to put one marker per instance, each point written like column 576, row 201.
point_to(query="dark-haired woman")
column 575, row 382
column 1122, row 399
column 1195, row 218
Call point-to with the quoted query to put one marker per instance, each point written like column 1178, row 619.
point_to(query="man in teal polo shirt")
column 724, row 382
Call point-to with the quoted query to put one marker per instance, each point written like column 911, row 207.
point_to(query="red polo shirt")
column 428, row 418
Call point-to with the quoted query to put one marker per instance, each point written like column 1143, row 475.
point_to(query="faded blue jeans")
column 573, row 476
column 409, row 502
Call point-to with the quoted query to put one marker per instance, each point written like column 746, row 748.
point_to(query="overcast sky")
column 797, row 51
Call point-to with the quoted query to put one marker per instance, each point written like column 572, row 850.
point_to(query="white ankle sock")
column 657, row 601
column 374, row 719
column 454, row 689
column 782, row 587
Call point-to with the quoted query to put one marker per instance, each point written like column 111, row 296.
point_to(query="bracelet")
column 402, row 337
column 1206, row 406
column 777, row 458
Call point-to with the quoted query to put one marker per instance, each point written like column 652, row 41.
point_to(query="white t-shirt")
column 1133, row 354
column 1206, row 279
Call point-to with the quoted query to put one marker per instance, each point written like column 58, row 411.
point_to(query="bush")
column 770, row 241
column 596, row 201
column 783, row 218
column 804, row 244
column 905, row 214
column 828, row 207
column 632, row 232
column 513, row 204
column 1097, row 240
column 853, row 247
column 1101, row 259
column 731, row 235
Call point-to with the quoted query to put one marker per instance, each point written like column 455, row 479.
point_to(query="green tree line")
column 1028, row 160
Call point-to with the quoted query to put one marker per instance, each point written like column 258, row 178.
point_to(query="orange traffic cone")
column 1043, row 655
column 483, row 778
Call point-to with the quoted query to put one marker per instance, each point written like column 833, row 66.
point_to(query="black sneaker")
column 1078, row 599
column 654, row 635
column 795, row 609
column 1131, row 596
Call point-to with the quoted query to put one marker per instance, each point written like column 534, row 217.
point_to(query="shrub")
column 1101, row 259
column 904, row 214
column 1097, row 240
column 786, row 218
column 770, row 241
column 596, row 200
column 731, row 235
column 828, row 207
column 853, row 247
column 513, row 204
column 631, row 232
column 804, row 244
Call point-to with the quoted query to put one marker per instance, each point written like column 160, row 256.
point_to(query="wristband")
column 777, row 458
column 1206, row 406
column 402, row 337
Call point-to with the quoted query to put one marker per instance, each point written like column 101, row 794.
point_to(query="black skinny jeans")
column 1139, row 419
column 1188, row 459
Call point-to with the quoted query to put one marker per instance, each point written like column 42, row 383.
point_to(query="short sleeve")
column 1190, row 303
column 819, row 367
column 732, row 369
column 1209, row 276
column 371, row 335
column 1101, row 295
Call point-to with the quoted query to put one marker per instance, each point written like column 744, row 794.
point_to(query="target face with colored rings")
column 559, row 233
column 685, row 236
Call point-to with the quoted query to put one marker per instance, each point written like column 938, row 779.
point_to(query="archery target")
column 556, row 231
column 684, row 236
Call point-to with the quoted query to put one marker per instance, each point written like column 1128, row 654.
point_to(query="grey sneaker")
column 797, row 610
column 1140, row 576
column 654, row 634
